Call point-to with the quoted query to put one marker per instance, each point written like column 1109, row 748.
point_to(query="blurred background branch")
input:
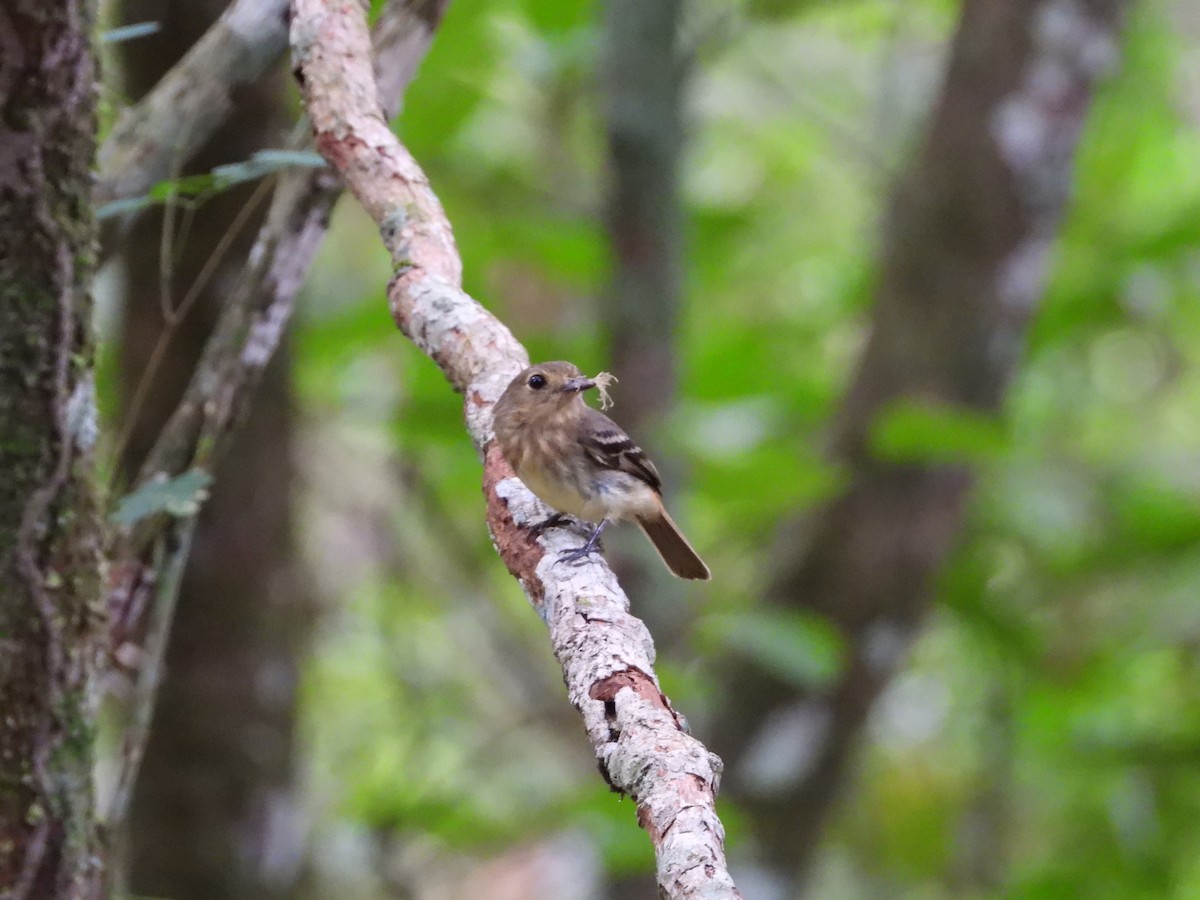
column 213, row 815
column 967, row 243
column 644, row 66
column 182, row 109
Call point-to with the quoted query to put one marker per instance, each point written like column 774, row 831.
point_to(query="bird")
column 581, row 463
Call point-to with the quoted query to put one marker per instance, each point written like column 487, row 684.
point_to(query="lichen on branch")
column 606, row 653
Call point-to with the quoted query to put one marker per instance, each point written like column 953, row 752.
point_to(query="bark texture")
column 967, row 240
column 607, row 656
column 215, row 811
column 49, row 530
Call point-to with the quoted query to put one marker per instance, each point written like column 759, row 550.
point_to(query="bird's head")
column 543, row 390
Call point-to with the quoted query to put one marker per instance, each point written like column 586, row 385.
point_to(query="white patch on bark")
column 912, row 710
column 1070, row 50
column 525, row 508
column 265, row 335
column 1064, row 27
column 279, row 843
column 1036, row 129
column 1020, row 129
column 83, row 426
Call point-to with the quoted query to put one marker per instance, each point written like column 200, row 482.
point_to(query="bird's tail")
column 673, row 547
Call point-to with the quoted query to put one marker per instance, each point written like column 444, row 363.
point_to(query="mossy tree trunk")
column 49, row 530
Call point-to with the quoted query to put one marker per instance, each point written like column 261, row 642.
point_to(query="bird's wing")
column 611, row 448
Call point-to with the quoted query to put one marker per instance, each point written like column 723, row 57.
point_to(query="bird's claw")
column 578, row 556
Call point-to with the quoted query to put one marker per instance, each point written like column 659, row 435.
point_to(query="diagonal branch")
column 607, row 655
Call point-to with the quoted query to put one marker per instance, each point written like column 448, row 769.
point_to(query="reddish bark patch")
column 517, row 547
column 401, row 303
column 335, row 149
column 695, row 791
column 637, row 681
column 645, row 819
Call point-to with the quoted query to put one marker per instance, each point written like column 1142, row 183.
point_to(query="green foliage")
column 799, row 648
column 222, row 178
column 624, row 849
column 910, row 431
column 1042, row 740
column 179, row 496
column 1154, row 516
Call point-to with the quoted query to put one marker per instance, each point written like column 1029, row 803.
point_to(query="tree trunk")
column 967, row 242
column 644, row 71
column 214, row 812
column 49, row 530
column 643, row 77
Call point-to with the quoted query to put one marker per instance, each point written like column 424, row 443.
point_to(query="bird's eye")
column 537, row 382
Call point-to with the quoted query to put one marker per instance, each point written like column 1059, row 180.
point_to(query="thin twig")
column 169, row 563
column 173, row 318
column 166, row 260
column 35, row 852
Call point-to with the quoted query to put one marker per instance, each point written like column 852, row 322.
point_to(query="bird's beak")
column 577, row 385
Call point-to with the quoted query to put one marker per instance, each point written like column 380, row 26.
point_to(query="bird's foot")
column 580, row 554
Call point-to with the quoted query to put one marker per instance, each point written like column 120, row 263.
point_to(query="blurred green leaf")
column 611, row 822
column 222, row 178
column 1156, row 515
column 801, row 648
column 910, row 431
column 129, row 32
column 179, row 496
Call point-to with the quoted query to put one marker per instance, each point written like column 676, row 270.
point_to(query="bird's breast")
column 557, row 488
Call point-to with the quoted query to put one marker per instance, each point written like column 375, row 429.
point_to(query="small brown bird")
column 577, row 460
